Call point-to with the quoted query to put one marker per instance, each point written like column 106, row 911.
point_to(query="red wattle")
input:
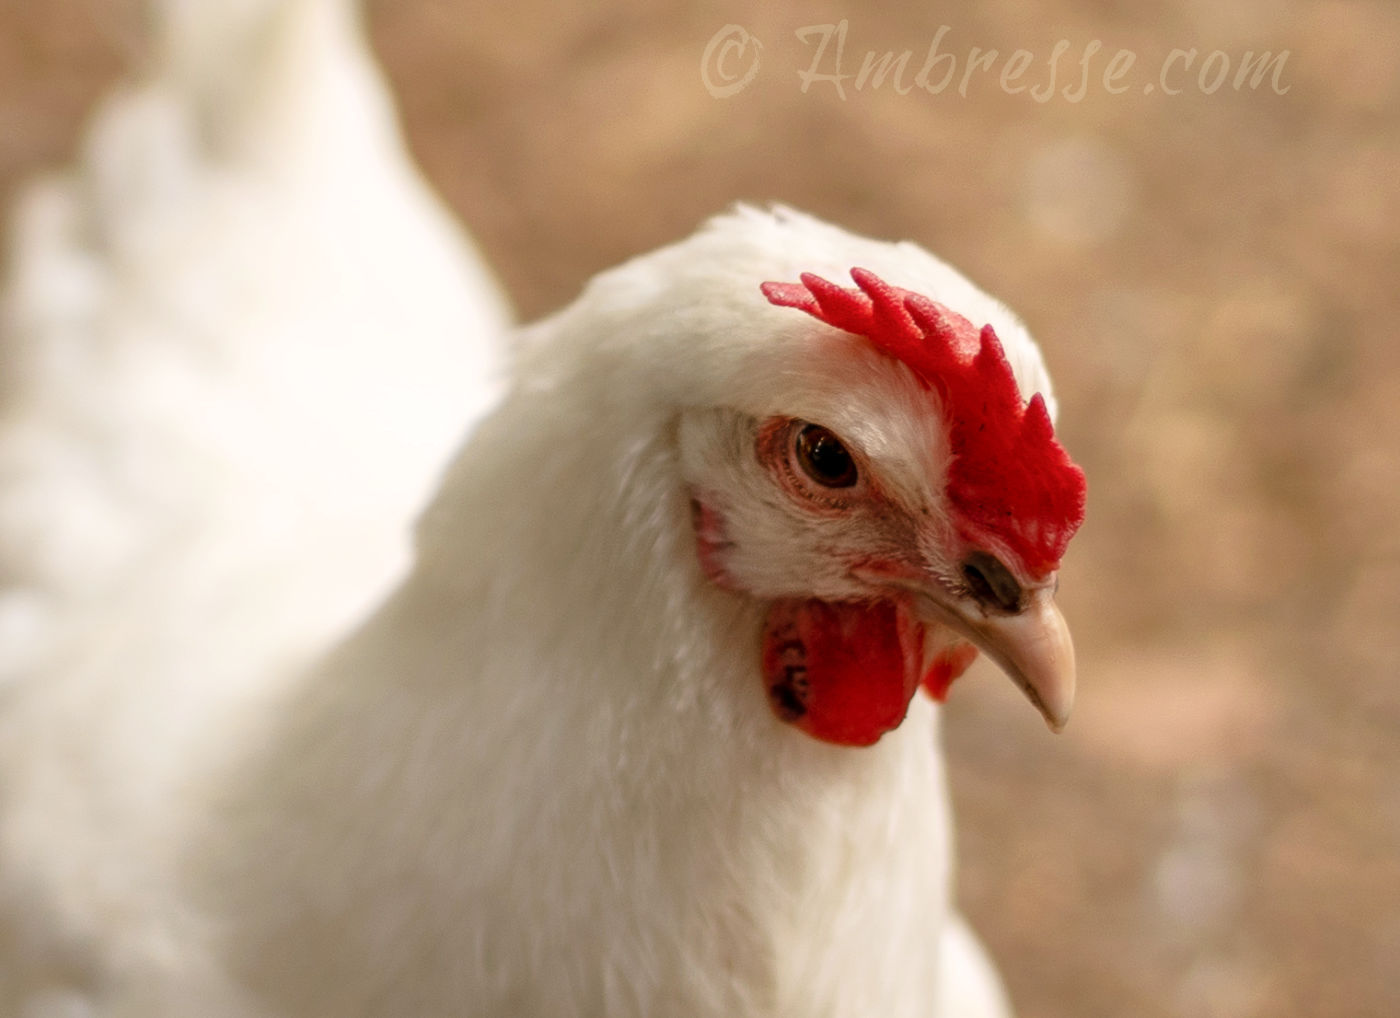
column 946, row 667
column 842, row 672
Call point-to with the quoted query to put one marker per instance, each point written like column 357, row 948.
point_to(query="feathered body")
column 240, row 338
column 241, row 322
column 542, row 778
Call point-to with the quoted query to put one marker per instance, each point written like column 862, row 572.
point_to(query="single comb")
column 1009, row 479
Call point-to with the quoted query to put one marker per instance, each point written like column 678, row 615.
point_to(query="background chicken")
column 1211, row 835
column 240, row 324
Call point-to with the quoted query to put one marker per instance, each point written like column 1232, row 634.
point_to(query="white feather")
column 541, row 779
column 241, row 320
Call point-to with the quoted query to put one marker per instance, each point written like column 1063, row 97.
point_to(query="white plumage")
column 242, row 316
column 541, row 778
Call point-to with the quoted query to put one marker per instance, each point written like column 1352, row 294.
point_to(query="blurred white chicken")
column 241, row 322
column 631, row 737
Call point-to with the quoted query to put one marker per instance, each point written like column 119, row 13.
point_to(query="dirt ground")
column 1213, row 277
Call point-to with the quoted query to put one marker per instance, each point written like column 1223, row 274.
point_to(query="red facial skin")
column 946, row 667
column 950, row 662
column 711, row 545
column 843, row 672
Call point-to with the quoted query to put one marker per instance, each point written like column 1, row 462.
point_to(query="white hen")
column 627, row 741
column 242, row 319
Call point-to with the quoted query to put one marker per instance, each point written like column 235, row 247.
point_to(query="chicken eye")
column 991, row 583
column 824, row 459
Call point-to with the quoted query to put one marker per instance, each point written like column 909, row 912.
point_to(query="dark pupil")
column 991, row 582
column 824, row 458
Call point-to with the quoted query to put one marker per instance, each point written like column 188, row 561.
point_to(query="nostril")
column 992, row 584
column 981, row 587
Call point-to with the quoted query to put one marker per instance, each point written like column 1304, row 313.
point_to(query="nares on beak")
column 1019, row 628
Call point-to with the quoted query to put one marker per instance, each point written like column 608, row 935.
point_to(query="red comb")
column 1009, row 478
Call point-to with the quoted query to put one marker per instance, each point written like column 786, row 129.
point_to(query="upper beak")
column 1032, row 646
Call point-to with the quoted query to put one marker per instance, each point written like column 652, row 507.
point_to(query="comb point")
column 1009, row 481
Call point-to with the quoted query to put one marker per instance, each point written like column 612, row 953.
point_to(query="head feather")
column 1009, row 479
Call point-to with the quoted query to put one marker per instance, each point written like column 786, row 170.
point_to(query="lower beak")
column 1032, row 646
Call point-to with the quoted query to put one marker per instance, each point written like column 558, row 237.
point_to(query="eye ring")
column 824, row 458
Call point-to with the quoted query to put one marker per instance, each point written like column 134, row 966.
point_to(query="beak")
column 1032, row 646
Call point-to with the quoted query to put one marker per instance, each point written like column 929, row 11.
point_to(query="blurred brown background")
column 1213, row 278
